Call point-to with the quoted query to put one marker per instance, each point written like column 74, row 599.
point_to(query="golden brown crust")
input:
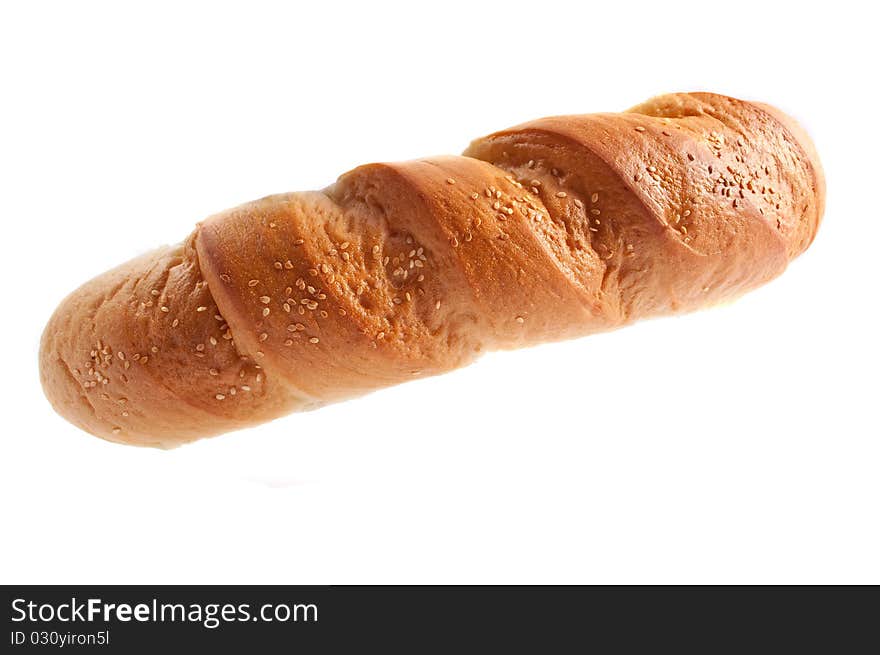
column 141, row 353
column 550, row 230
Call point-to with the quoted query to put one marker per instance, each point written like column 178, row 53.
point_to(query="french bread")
column 554, row 229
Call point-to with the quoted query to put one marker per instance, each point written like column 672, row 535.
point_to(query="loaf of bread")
column 550, row 230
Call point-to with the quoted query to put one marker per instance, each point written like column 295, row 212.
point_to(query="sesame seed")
column 175, row 322
column 288, row 264
column 266, row 311
column 253, row 283
column 245, row 387
column 314, row 340
column 265, row 300
column 201, row 308
column 594, row 198
column 164, row 309
column 561, row 194
column 450, row 180
column 520, row 320
column 219, row 396
column 154, row 292
column 263, row 336
column 639, row 128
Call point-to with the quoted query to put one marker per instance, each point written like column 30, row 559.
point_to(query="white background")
column 736, row 445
